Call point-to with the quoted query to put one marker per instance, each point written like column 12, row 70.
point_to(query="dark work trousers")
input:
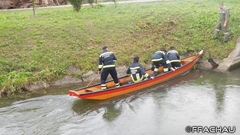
column 112, row 71
column 157, row 64
column 175, row 64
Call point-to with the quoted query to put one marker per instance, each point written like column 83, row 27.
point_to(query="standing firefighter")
column 223, row 23
column 159, row 58
column 106, row 66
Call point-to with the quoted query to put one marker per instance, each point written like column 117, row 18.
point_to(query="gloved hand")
column 172, row 69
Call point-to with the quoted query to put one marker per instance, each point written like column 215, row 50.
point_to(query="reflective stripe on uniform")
column 107, row 66
column 175, row 60
column 167, row 61
column 146, row 76
column 132, row 68
column 117, row 85
column 165, row 69
column 137, row 77
column 105, row 53
column 172, row 51
column 103, row 86
column 157, row 59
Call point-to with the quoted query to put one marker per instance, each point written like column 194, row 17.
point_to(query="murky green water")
column 195, row 99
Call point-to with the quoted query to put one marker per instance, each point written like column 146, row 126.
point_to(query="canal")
column 199, row 99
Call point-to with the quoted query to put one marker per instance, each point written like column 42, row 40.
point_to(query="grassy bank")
column 41, row 48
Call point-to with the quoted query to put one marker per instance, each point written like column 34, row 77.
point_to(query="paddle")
column 94, row 78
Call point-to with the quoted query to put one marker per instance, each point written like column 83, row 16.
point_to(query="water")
column 200, row 98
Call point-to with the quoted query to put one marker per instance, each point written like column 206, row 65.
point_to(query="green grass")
column 41, row 48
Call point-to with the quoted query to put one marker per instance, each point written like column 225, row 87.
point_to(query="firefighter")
column 159, row 58
column 106, row 66
column 173, row 57
column 223, row 23
column 137, row 72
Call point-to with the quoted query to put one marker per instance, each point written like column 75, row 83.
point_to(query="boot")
column 214, row 38
column 225, row 40
column 155, row 73
column 216, row 34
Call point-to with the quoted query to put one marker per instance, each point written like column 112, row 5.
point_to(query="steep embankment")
column 46, row 47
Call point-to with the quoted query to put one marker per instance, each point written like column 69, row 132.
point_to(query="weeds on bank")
column 41, row 48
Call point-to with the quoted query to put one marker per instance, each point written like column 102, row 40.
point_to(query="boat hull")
column 114, row 92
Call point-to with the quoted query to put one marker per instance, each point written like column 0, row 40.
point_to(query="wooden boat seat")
column 124, row 81
column 109, row 85
column 187, row 60
column 183, row 62
column 92, row 89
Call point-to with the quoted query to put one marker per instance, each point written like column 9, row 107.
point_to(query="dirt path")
column 104, row 3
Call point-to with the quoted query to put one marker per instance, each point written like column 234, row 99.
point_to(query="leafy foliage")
column 90, row 1
column 77, row 4
column 14, row 81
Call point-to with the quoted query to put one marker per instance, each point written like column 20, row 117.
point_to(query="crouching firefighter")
column 137, row 72
column 159, row 58
column 107, row 66
column 174, row 58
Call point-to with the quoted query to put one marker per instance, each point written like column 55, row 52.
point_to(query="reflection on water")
column 112, row 112
column 200, row 98
column 218, row 84
column 112, row 107
column 84, row 107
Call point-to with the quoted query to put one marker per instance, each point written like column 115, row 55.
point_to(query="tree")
column 34, row 6
column 115, row 3
column 77, row 4
column 90, row 2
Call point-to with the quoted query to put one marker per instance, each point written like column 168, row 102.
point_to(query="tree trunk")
column 45, row 2
column 34, row 5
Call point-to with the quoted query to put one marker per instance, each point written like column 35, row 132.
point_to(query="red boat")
column 94, row 92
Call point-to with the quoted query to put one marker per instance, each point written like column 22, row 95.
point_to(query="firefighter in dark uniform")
column 173, row 57
column 137, row 71
column 223, row 23
column 106, row 66
column 159, row 58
